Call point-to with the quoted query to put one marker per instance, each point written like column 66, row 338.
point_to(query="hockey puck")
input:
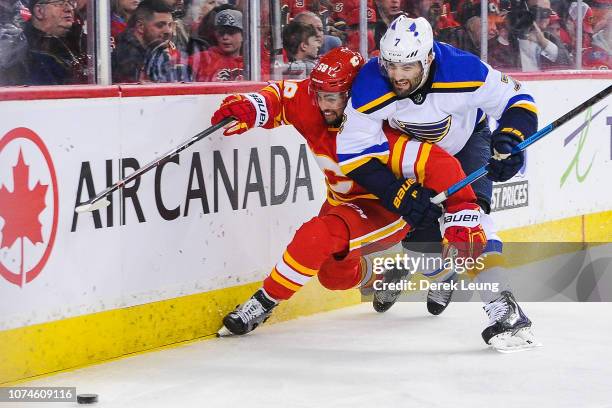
column 87, row 398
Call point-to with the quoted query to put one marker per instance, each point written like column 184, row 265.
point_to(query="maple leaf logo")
column 21, row 208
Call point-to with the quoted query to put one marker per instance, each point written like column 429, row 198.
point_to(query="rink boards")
column 192, row 239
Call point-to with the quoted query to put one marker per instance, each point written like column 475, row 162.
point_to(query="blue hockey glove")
column 503, row 165
column 413, row 202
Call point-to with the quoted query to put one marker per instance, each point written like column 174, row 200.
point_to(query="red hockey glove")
column 462, row 233
column 249, row 110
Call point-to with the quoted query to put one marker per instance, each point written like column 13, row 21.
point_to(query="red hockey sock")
column 312, row 245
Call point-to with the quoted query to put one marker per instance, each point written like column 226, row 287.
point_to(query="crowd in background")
column 45, row 41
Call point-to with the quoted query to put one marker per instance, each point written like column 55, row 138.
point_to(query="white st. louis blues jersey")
column 457, row 97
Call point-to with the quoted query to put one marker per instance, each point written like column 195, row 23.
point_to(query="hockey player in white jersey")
column 436, row 93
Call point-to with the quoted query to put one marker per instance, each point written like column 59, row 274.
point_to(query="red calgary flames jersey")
column 291, row 103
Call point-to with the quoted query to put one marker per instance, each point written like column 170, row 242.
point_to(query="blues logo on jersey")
column 425, row 132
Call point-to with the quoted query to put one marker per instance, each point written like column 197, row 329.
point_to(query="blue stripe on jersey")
column 516, row 98
column 381, row 148
column 369, row 85
column 455, row 65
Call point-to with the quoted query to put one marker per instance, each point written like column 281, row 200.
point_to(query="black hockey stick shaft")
column 481, row 172
column 100, row 201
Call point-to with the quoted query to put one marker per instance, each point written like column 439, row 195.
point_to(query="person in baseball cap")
column 222, row 62
column 228, row 31
column 229, row 18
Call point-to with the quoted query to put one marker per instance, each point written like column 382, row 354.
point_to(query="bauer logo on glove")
column 397, row 201
column 249, row 110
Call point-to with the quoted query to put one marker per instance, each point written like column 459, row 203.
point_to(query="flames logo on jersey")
column 425, row 132
column 229, row 74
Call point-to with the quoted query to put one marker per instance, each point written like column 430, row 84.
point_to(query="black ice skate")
column 386, row 297
column 509, row 328
column 249, row 315
column 439, row 299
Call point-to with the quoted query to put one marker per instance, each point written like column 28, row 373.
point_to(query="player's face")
column 332, row 106
column 404, row 78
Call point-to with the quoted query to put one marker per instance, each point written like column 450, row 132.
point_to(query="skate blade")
column 224, row 332
column 522, row 340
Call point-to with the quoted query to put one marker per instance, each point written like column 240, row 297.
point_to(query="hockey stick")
column 100, row 201
column 438, row 199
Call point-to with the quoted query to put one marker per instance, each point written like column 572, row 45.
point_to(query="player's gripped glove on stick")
column 503, row 165
column 462, row 232
column 401, row 196
column 413, row 202
column 249, row 110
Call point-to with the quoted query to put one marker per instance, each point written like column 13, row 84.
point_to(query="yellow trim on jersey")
column 334, row 199
column 525, row 105
column 360, row 161
column 468, row 84
column 285, row 120
column 297, row 266
column 422, row 161
column 280, row 279
column 272, row 89
column 376, row 102
column 396, row 156
column 515, row 132
column 377, row 235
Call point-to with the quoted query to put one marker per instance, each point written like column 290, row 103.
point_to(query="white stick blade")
column 103, row 203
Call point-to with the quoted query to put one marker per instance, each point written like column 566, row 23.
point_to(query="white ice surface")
column 355, row 357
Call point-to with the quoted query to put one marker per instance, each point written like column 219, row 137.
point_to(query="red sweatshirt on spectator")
column 118, row 25
column 213, row 65
column 348, row 11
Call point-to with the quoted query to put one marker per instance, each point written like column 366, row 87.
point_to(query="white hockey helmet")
column 407, row 40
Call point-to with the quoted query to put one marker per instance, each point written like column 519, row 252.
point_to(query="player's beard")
column 334, row 118
column 403, row 91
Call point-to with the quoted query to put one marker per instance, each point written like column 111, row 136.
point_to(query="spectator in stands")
column 53, row 57
column 199, row 10
column 224, row 61
column 556, row 29
column 602, row 10
column 471, row 41
column 328, row 41
column 13, row 43
column 587, row 24
column 534, row 47
column 206, row 29
column 386, row 12
column 121, row 11
column 599, row 55
column 150, row 25
column 501, row 54
column 346, row 23
column 180, row 33
column 302, row 45
column 447, row 29
column 542, row 13
column 291, row 8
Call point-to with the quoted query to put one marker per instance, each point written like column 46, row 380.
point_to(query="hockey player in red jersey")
column 351, row 222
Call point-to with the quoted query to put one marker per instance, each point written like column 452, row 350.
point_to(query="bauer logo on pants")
column 28, row 206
